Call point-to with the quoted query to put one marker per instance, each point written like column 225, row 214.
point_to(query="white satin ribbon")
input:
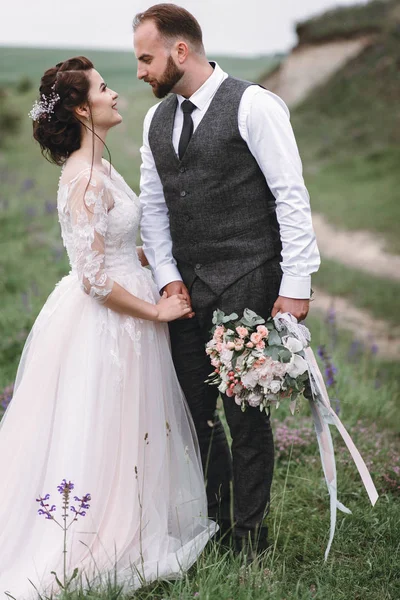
column 323, row 416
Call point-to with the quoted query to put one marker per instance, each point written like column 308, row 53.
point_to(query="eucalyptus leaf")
column 285, row 355
column 231, row 317
column 250, row 318
column 272, row 351
column 218, row 316
column 273, row 338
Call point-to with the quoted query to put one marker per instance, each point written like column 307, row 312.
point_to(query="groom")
column 226, row 222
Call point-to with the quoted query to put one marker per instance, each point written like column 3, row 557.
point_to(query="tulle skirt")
column 97, row 402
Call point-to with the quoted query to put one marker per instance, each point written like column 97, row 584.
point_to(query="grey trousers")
column 246, row 468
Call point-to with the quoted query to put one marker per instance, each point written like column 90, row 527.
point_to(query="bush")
column 10, row 120
column 24, row 85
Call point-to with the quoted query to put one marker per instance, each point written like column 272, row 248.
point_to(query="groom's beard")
column 169, row 79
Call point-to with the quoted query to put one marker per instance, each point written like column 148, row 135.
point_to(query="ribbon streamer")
column 323, row 416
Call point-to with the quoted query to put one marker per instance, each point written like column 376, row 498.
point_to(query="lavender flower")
column 45, row 509
column 330, row 369
column 30, row 211
column 65, row 488
column 28, row 184
column 355, row 351
column 332, row 325
column 50, row 207
column 330, row 372
column 6, row 396
column 83, row 506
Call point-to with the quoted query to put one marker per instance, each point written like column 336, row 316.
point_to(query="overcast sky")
column 230, row 26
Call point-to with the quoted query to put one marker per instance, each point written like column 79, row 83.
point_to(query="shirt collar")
column 204, row 94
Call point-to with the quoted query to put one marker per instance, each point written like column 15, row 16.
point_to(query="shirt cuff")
column 166, row 274
column 295, row 287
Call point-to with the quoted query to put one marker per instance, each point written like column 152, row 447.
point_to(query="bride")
column 96, row 400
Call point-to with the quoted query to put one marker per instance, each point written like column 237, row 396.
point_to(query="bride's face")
column 103, row 102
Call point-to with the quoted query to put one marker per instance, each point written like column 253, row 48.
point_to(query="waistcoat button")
column 183, row 194
column 198, row 266
column 182, row 169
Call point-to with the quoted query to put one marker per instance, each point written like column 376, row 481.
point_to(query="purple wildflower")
column 25, row 301
column 30, row 211
column 45, row 508
column 65, row 488
column 50, row 207
column 83, row 506
column 374, row 349
column 330, row 369
column 330, row 320
column 330, row 372
column 6, row 396
column 355, row 351
column 28, row 184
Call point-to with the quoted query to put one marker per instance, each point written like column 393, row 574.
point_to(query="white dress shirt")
column 264, row 124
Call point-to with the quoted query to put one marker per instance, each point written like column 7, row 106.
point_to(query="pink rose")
column 229, row 393
column 242, row 331
column 219, row 347
column 239, row 344
column 260, row 345
column 256, row 337
column 218, row 333
column 250, row 345
column 230, row 346
column 262, row 330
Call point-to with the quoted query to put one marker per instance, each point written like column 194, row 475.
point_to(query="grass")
column 360, row 193
column 378, row 296
column 348, row 21
column 348, row 133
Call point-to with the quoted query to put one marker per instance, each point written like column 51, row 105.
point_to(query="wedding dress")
column 97, row 402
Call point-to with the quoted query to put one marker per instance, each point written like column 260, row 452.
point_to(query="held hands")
column 172, row 307
column 178, row 287
column 297, row 308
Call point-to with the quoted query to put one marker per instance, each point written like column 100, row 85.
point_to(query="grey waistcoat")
column 221, row 210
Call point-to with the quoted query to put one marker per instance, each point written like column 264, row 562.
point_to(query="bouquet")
column 256, row 363
column 261, row 363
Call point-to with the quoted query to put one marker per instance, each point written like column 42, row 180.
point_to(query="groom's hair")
column 173, row 22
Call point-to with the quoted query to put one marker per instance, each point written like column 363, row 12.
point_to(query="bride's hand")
column 172, row 307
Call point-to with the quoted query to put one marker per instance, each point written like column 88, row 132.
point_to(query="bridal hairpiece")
column 45, row 106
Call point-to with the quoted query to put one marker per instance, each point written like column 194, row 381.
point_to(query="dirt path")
column 310, row 65
column 362, row 324
column 359, row 249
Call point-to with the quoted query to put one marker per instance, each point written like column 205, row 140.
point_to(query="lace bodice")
column 99, row 216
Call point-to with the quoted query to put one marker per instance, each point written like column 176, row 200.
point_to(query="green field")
column 353, row 180
column 117, row 67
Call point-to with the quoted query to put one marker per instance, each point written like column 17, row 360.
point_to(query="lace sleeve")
column 88, row 205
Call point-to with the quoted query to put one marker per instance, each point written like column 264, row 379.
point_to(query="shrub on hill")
column 349, row 21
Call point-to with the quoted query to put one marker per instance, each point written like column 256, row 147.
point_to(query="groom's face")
column 156, row 65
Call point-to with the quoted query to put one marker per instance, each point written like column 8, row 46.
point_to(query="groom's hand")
column 297, row 308
column 178, row 287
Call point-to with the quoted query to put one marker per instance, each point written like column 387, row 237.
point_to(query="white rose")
column 250, row 379
column 254, row 399
column 297, row 366
column 292, row 344
column 275, row 386
column 226, row 356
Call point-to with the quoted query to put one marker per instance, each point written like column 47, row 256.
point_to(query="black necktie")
column 187, row 129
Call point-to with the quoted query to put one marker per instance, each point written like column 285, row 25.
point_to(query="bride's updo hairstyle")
column 62, row 89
